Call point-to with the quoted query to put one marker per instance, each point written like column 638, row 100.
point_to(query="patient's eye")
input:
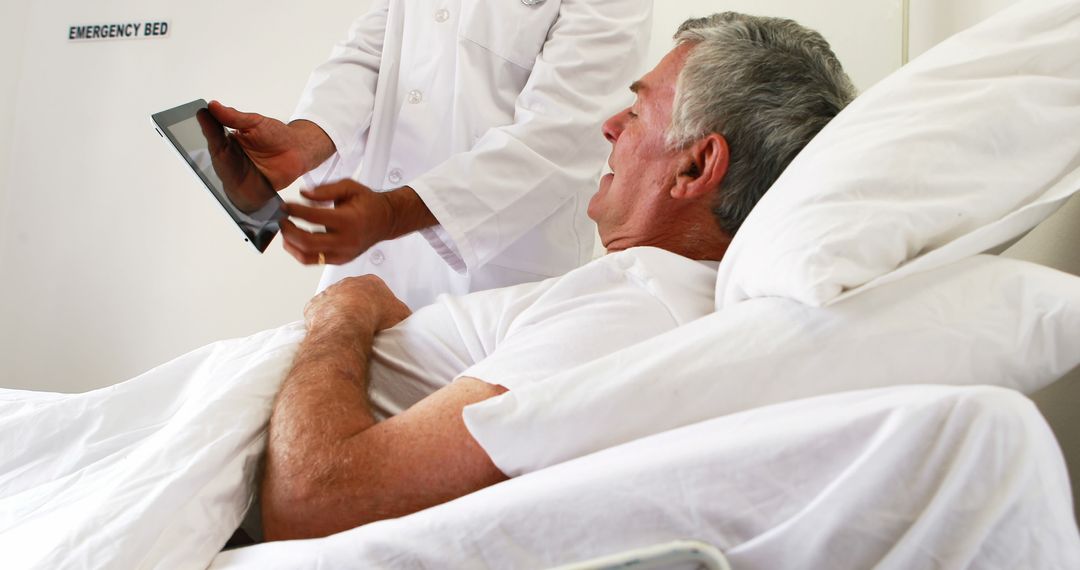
column 631, row 110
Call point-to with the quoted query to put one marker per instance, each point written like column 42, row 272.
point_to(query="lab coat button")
column 442, row 15
column 415, row 96
column 532, row 2
column 377, row 257
column 395, row 176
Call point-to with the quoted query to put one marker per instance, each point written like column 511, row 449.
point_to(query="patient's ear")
column 702, row 167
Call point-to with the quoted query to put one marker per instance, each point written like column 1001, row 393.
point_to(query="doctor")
column 455, row 139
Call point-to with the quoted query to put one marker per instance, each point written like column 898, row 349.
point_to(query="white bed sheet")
column 156, row 472
column 152, row 473
column 908, row 477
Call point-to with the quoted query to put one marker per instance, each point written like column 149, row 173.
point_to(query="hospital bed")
column 694, row 497
column 859, row 414
column 1056, row 243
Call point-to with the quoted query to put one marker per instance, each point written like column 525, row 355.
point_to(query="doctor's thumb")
column 233, row 118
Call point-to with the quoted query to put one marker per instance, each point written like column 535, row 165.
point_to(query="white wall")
column 113, row 259
column 864, row 34
column 11, row 57
column 935, row 20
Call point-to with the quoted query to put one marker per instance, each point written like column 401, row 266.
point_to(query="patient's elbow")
column 293, row 490
column 310, row 495
column 291, row 508
column 301, row 503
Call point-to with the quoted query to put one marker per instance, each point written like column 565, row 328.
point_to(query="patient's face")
column 643, row 169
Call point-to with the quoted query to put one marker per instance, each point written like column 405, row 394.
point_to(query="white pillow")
column 982, row 320
column 968, row 146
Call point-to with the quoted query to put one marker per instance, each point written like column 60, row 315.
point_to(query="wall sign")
column 121, row 31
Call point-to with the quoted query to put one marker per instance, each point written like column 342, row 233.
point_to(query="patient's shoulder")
column 686, row 286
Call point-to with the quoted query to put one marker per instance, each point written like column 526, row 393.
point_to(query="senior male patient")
column 368, row 424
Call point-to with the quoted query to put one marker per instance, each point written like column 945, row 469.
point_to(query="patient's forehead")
column 658, row 85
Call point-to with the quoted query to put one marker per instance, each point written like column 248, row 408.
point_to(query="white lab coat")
column 491, row 111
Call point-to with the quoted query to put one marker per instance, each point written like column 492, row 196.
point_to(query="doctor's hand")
column 283, row 152
column 359, row 219
column 244, row 186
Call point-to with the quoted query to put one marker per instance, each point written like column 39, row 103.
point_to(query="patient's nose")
column 614, row 126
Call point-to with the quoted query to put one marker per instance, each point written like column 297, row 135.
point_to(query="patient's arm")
column 330, row 466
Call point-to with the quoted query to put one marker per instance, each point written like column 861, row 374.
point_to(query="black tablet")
column 217, row 159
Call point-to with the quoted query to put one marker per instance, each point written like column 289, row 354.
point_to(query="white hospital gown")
column 526, row 333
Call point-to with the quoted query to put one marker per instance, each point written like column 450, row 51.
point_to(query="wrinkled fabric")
column 155, row 472
column 984, row 320
column 893, row 478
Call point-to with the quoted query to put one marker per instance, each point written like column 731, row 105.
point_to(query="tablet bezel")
column 259, row 237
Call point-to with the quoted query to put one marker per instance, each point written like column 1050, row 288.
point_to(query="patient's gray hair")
column 768, row 85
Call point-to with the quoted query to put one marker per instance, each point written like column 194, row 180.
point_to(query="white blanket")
column 908, row 477
column 155, row 472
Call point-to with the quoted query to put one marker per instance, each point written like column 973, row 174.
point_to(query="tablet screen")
column 225, row 169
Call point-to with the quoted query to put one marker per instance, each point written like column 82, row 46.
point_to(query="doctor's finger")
column 337, row 191
column 232, row 118
column 311, row 256
column 301, row 256
column 315, row 215
column 310, row 242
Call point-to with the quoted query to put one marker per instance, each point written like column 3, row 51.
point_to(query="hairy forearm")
column 314, row 144
column 327, row 385
column 322, row 402
column 318, row 446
